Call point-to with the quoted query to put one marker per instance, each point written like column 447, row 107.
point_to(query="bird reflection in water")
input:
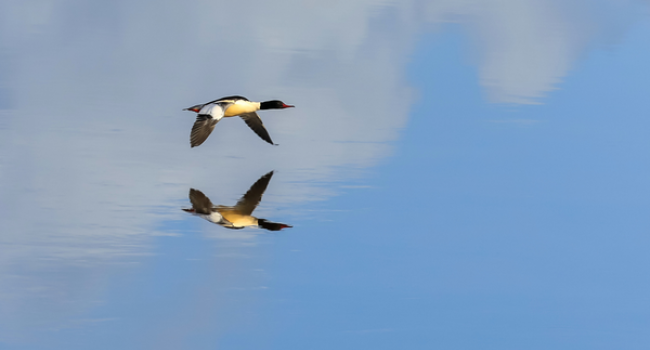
column 239, row 216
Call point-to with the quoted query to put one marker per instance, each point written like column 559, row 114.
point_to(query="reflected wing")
column 254, row 122
column 202, row 128
column 252, row 198
column 200, row 202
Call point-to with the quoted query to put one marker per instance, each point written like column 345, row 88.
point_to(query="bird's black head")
column 271, row 226
column 275, row 104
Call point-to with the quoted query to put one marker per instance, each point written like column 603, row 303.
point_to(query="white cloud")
column 524, row 48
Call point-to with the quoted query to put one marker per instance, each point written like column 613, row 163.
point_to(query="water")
column 458, row 174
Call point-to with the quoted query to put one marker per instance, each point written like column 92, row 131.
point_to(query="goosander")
column 236, row 217
column 210, row 113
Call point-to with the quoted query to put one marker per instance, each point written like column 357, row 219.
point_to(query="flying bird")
column 238, row 216
column 210, row 113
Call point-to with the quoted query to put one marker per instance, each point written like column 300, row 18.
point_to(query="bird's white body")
column 226, row 108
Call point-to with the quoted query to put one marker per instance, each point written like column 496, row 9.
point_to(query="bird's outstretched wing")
column 254, row 122
column 208, row 117
column 202, row 128
column 252, row 198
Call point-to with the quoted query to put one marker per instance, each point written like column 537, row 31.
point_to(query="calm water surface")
column 458, row 175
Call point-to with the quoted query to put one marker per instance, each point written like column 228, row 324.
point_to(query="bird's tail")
column 196, row 108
